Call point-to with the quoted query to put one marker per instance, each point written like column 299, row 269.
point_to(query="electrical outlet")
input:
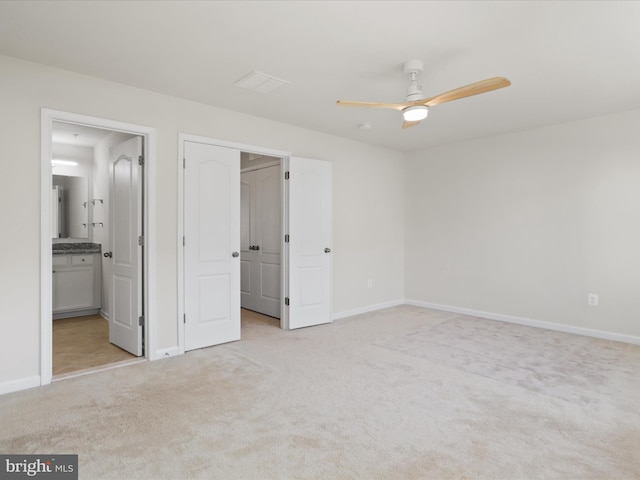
column 593, row 299
column 370, row 283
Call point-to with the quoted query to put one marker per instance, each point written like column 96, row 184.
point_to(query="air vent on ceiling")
column 260, row 82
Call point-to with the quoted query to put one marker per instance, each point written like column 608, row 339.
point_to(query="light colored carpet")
column 396, row 394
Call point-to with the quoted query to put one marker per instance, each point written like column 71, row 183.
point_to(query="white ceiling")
column 78, row 135
column 566, row 60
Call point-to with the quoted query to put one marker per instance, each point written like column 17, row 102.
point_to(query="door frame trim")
column 241, row 147
column 48, row 116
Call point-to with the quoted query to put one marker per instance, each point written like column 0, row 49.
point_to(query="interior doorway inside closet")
column 260, row 233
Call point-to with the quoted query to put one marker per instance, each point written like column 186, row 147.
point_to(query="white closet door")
column 212, row 245
column 310, row 228
column 268, row 237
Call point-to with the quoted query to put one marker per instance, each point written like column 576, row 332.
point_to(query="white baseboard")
column 76, row 313
column 20, row 384
column 367, row 309
column 618, row 337
column 165, row 352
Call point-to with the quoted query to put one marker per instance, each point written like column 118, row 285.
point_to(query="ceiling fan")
column 416, row 106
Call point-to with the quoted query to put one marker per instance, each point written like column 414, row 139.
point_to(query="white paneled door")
column 261, row 240
column 211, row 245
column 310, row 229
column 125, row 197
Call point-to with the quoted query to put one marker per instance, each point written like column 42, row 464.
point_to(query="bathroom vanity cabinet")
column 76, row 285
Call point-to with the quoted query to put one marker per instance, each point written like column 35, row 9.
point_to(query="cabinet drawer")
column 82, row 260
column 60, row 260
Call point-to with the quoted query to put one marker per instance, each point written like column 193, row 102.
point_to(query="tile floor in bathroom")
column 82, row 343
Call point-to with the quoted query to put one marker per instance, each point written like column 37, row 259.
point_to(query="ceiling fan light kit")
column 415, row 114
column 415, row 108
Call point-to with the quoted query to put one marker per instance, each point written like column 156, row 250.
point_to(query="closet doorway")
column 209, row 232
column 260, row 233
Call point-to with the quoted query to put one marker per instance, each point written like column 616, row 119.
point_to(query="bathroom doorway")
column 98, row 285
column 96, row 223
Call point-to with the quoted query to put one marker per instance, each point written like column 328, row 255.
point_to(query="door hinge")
column 286, row 301
column 286, row 238
column 141, row 320
column 184, row 162
column 141, row 160
column 183, row 241
column 286, row 175
column 184, row 318
column 141, row 240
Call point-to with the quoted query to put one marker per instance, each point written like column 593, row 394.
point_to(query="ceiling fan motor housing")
column 414, row 91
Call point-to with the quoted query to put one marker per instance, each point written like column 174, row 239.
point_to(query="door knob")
column 235, row 254
column 327, row 250
column 108, row 254
column 257, row 247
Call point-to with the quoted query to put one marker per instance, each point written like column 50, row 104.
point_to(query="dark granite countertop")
column 76, row 248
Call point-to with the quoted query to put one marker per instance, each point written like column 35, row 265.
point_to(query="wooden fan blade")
column 394, row 106
column 466, row 91
column 407, row 124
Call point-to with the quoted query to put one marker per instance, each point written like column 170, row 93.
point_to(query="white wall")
column 528, row 224
column 368, row 197
column 82, row 155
